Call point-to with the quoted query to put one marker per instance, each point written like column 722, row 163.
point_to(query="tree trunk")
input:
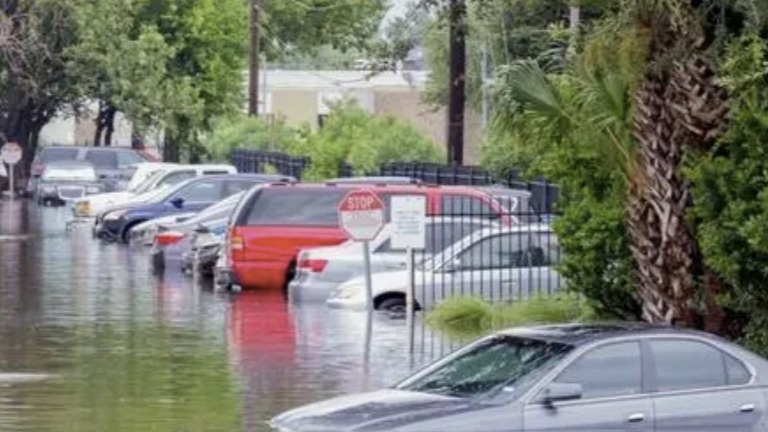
column 170, row 149
column 662, row 245
column 457, row 78
column 109, row 125
column 105, row 124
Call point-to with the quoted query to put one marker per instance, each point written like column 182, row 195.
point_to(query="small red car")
column 271, row 224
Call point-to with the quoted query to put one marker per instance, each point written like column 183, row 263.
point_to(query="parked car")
column 144, row 233
column 271, row 224
column 151, row 195
column 165, row 177
column 133, row 175
column 593, row 377
column 66, row 181
column 171, row 241
column 320, row 270
column 192, row 195
column 517, row 202
column 495, row 264
column 205, row 248
column 107, row 161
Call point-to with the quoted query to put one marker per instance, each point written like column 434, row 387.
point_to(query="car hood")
column 377, row 411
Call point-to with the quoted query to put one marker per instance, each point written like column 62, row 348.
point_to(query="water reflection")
column 129, row 350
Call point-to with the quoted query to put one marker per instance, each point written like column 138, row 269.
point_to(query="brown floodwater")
column 92, row 340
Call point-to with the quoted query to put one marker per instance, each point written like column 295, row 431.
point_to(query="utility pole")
column 253, row 59
column 457, row 79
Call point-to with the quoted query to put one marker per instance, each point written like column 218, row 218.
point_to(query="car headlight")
column 114, row 215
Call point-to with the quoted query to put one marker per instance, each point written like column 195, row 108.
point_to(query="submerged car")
column 190, row 196
column 206, row 243
column 577, row 377
column 320, row 270
column 496, row 264
column 66, row 181
column 165, row 176
column 172, row 240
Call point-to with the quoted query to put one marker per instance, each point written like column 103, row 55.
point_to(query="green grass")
column 466, row 317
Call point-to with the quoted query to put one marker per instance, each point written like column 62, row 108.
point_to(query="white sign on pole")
column 409, row 222
column 11, row 153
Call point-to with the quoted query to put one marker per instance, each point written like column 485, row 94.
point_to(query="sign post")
column 11, row 154
column 409, row 223
column 361, row 215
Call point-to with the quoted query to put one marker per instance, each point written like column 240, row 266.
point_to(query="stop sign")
column 361, row 214
column 10, row 153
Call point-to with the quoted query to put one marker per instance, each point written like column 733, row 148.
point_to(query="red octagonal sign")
column 361, row 214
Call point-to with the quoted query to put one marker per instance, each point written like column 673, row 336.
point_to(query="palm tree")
column 665, row 102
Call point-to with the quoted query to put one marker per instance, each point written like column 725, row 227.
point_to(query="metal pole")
column 11, row 179
column 368, row 281
column 409, row 295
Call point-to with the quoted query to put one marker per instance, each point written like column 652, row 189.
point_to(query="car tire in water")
column 392, row 304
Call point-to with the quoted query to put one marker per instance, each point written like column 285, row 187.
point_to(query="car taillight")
column 236, row 243
column 313, row 265
column 168, row 238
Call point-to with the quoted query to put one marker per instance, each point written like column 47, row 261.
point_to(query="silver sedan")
column 595, row 377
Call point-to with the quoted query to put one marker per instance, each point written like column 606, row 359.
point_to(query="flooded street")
column 91, row 340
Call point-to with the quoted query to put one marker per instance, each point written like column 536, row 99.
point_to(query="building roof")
column 276, row 79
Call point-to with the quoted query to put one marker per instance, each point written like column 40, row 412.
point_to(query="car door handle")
column 747, row 408
column 636, row 418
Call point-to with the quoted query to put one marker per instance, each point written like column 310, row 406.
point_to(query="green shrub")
column 464, row 317
column 251, row 133
column 350, row 134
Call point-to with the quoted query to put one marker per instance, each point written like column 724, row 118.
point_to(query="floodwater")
column 91, row 340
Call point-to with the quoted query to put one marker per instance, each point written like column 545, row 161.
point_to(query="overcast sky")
column 397, row 8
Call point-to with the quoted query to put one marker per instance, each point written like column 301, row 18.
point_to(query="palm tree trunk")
column 663, row 246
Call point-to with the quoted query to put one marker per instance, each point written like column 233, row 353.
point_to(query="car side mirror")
column 560, row 392
column 178, row 202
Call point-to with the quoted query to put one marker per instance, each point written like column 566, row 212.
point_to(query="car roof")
column 382, row 180
column 385, row 187
column 69, row 163
column 582, row 334
column 267, row 178
column 505, row 191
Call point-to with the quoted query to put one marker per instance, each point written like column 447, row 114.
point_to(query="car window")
column 126, row 158
column 57, row 154
column 606, row 371
column 102, row 159
column 499, row 251
column 674, row 358
column 736, row 372
column 492, row 364
column 440, row 235
column 458, row 205
column 296, row 206
column 237, row 186
column 176, row 177
column 200, row 192
column 545, row 250
column 215, row 172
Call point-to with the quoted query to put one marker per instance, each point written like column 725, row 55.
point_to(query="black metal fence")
column 544, row 194
column 493, row 258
